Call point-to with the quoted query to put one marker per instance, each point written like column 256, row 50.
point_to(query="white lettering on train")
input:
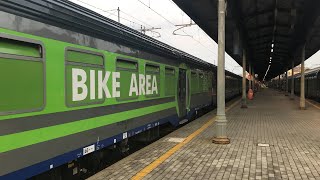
column 145, row 85
column 141, row 85
column 79, row 84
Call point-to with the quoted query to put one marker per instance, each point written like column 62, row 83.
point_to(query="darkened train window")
column 129, row 72
column 82, row 70
column 22, row 75
column 205, row 82
column 152, row 79
column 194, row 82
column 84, row 57
column 201, row 82
column 170, row 80
column 210, row 80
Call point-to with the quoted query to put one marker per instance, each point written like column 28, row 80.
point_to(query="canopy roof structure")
column 266, row 29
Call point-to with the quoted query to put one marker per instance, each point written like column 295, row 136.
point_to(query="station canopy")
column 267, row 29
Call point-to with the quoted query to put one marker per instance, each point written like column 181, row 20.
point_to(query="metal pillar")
column 253, row 80
column 302, row 98
column 292, row 82
column 250, row 87
column 244, row 89
column 287, row 86
column 118, row 14
column 279, row 83
column 221, row 119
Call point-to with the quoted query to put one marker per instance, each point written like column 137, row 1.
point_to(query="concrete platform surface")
column 289, row 148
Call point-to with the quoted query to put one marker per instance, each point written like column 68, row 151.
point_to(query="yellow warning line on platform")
column 314, row 105
column 145, row 171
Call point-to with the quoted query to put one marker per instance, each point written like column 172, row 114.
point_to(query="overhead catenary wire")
column 142, row 23
column 175, row 25
column 137, row 19
column 113, row 14
column 108, row 11
column 210, row 40
column 197, row 32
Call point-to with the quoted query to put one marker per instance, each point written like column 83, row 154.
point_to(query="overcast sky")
column 165, row 14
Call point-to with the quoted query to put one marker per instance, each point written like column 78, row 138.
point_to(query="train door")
column 182, row 92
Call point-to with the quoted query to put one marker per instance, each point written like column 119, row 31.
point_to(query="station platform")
column 272, row 139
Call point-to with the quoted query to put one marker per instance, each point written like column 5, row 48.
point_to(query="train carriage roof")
column 312, row 72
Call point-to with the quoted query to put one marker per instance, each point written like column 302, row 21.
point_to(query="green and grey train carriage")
column 74, row 83
column 312, row 84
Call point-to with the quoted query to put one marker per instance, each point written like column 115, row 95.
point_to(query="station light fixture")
column 271, row 49
column 272, row 45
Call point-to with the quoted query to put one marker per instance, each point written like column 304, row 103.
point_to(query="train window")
column 152, row 78
column 126, row 64
column 22, row 75
column 210, row 81
column 152, row 69
column 201, row 75
column 170, row 80
column 201, row 82
column 170, row 71
column 83, row 64
column 20, row 48
column 84, row 57
column 205, row 82
column 194, row 82
column 129, row 71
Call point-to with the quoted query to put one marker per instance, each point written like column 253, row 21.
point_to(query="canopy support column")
column 302, row 92
column 253, row 80
column 287, row 83
column 292, row 82
column 279, row 84
column 250, row 72
column 221, row 119
column 244, row 89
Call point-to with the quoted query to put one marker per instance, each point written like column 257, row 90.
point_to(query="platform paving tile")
column 293, row 136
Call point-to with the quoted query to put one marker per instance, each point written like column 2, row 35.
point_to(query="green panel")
column 170, row 85
column 127, row 69
column 18, row 140
column 22, row 85
column 170, row 71
column 125, row 64
column 152, row 69
column 157, row 75
column 125, row 80
column 9, row 46
column 82, row 57
column 56, row 76
column 86, row 101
